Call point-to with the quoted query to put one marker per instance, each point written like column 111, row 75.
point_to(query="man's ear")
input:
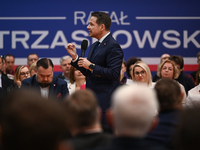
column 154, row 123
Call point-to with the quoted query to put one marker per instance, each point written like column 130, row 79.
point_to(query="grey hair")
column 64, row 58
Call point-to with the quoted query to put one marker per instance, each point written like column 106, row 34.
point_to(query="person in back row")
column 84, row 121
column 44, row 82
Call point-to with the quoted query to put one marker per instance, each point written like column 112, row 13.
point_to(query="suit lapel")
column 101, row 46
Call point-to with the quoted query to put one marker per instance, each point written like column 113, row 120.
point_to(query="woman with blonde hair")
column 167, row 69
column 141, row 73
column 77, row 80
column 32, row 69
column 21, row 73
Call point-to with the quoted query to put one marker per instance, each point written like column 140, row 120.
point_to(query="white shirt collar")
column 101, row 40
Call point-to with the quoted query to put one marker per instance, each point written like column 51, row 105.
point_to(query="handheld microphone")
column 84, row 46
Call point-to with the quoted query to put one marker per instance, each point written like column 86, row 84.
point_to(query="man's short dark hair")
column 45, row 63
column 168, row 93
column 32, row 54
column 178, row 60
column 30, row 122
column 81, row 108
column 9, row 55
column 102, row 18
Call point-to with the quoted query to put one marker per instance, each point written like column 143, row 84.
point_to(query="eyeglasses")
column 138, row 73
column 24, row 73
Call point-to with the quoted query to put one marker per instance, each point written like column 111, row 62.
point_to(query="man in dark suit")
column 103, row 65
column 5, row 82
column 83, row 117
column 133, row 115
column 44, row 81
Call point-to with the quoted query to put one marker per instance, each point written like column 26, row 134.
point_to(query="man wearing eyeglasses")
column 32, row 58
column 5, row 82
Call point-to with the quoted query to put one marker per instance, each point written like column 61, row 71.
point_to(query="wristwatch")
column 91, row 67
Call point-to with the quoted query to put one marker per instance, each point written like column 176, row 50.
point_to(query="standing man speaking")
column 103, row 65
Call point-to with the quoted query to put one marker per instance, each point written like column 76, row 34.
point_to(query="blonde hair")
column 144, row 66
column 17, row 72
column 175, row 71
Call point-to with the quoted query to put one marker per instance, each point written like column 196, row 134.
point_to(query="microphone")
column 84, row 46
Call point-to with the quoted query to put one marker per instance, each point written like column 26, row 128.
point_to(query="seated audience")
column 193, row 74
column 65, row 64
column 186, row 81
column 5, row 82
column 10, row 62
column 123, row 77
column 141, row 74
column 193, row 98
column 168, row 70
column 170, row 101
column 129, row 65
column 188, row 133
column 77, row 80
column 162, row 59
column 133, row 115
column 32, row 69
column 30, row 122
column 84, row 115
column 21, row 73
column 44, row 82
column 32, row 58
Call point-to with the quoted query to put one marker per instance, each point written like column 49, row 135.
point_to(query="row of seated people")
column 140, row 117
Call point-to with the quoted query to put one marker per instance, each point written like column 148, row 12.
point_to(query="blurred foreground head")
column 133, row 109
column 30, row 122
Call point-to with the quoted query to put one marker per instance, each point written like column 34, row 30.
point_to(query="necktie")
column 96, row 46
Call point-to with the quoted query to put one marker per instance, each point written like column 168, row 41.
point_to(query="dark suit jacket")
column 57, row 89
column 60, row 76
column 127, row 143
column 90, row 140
column 105, row 77
column 6, row 82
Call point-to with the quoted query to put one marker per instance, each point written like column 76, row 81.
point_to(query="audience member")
column 193, row 74
column 168, row 70
column 123, row 77
column 5, row 82
column 129, row 65
column 10, row 62
column 170, row 100
column 44, row 81
column 32, row 58
column 83, row 115
column 32, row 69
column 188, row 133
column 193, row 98
column 30, row 122
column 76, row 78
column 141, row 74
column 21, row 73
column 65, row 64
column 182, row 78
column 133, row 115
column 162, row 59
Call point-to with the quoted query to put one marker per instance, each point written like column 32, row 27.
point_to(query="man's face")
column 44, row 76
column 31, row 59
column 65, row 66
column 94, row 29
column 10, row 63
